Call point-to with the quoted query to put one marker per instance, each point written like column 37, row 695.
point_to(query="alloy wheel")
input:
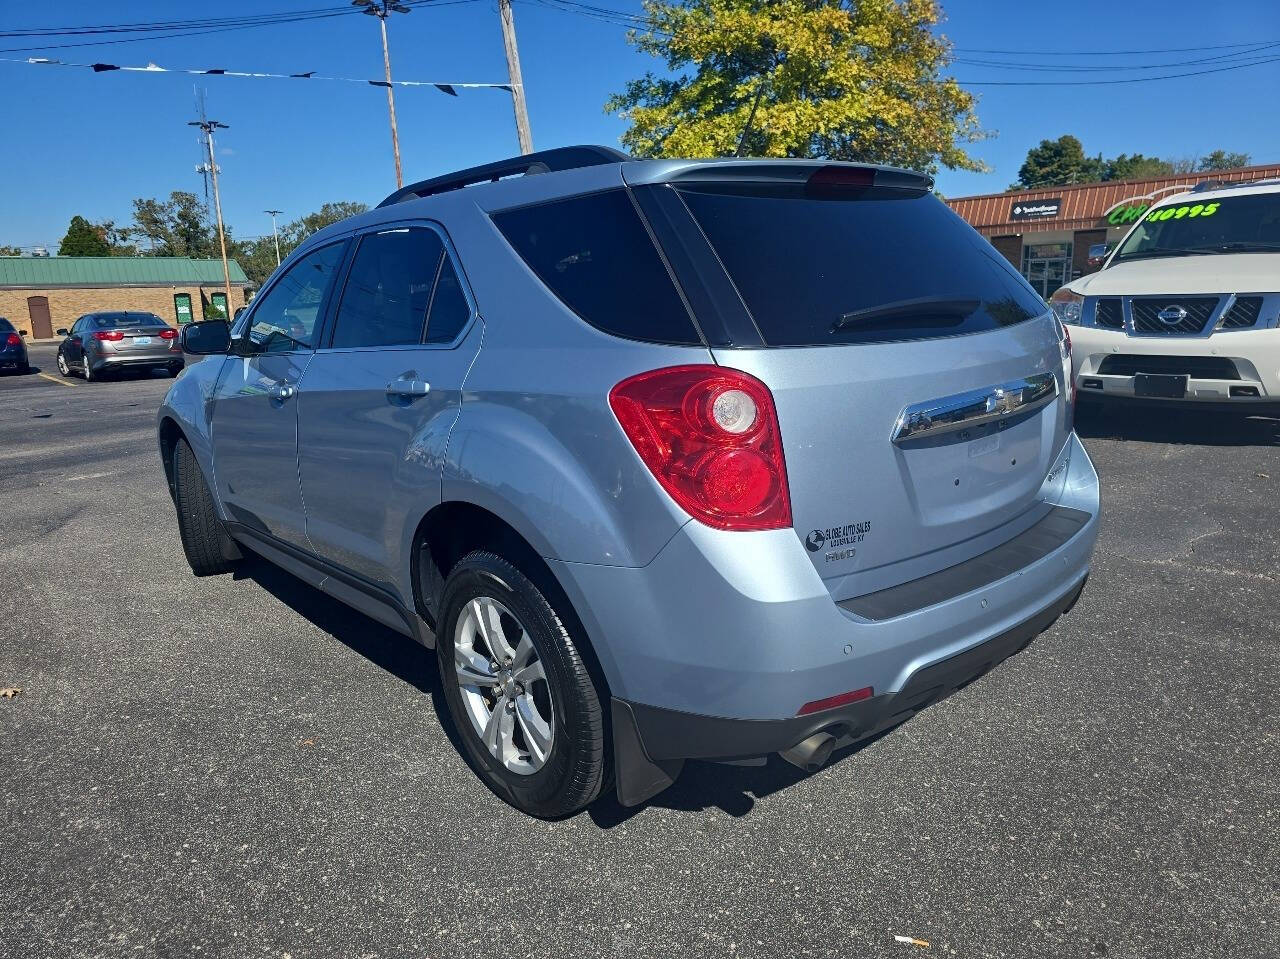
column 62, row 365
column 504, row 686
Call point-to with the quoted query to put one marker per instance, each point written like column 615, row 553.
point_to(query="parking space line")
column 55, row 379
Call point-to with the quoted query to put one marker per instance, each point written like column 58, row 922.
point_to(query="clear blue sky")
column 79, row 142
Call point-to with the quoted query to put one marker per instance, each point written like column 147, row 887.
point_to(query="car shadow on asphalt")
column 384, row 647
column 1156, row 424
column 702, row 785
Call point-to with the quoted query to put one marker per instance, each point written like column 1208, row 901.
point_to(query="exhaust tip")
column 810, row 754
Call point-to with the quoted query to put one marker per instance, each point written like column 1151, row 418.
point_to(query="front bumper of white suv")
column 1205, row 349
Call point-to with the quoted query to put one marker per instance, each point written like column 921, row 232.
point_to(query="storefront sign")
column 1035, row 209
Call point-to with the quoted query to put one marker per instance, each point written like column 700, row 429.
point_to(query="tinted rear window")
column 5, row 325
column 595, row 255
column 111, row 321
column 830, row 271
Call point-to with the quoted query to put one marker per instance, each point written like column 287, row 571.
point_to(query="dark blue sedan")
column 13, row 350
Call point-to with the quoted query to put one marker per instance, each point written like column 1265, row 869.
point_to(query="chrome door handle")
column 283, row 391
column 950, row 414
column 408, row 386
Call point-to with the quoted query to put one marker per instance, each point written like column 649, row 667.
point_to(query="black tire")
column 209, row 548
column 24, row 367
column 173, row 370
column 577, row 767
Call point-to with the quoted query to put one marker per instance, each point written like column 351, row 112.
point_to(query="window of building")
column 182, row 307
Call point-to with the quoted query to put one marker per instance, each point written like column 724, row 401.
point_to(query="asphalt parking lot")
column 239, row 766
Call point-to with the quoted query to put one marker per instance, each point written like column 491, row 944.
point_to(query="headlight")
column 1067, row 306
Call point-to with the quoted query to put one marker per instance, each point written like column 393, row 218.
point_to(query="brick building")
column 41, row 294
column 1048, row 233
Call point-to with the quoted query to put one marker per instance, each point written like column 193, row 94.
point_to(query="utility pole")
column 383, row 9
column 523, row 132
column 273, row 214
column 208, row 126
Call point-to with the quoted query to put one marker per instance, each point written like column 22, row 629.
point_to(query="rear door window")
column 875, row 269
column 388, row 290
column 449, row 307
column 596, row 256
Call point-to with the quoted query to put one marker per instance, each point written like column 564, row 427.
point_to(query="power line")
column 204, row 28
column 1094, row 83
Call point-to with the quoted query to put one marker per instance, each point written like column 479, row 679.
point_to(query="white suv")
column 1186, row 309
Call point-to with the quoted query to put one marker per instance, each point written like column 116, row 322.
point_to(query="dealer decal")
column 836, row 539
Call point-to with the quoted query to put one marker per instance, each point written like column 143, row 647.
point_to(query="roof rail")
column 547, row 161
column 1204, row 185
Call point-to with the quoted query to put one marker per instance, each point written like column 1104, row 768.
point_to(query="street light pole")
column 273, row 214
column 383, row 9
column 208, row 126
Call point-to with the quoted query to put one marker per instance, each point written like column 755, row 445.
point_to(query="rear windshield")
column 115, row 321
column 865, row 270
column 596, row 256
column 5, row 325
column 1191, row 226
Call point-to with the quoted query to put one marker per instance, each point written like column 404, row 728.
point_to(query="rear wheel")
column 88, row 369
column 525, row 707
column 209, row 548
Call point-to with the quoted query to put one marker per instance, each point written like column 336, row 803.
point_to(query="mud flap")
column 637, row 777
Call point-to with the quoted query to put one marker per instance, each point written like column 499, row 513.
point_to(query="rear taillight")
column 168, row 334
column 710, row 437
column 108, row 335
column 13, row 339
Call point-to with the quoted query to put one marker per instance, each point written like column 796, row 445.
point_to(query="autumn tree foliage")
column 852, row 80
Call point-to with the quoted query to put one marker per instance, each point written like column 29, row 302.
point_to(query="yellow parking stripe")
column 54, row 379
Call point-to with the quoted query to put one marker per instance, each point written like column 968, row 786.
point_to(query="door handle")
column 283, row 391
column 408, row 385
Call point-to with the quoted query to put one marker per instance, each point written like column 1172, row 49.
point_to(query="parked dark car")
column 102, row 342
column 13, row 349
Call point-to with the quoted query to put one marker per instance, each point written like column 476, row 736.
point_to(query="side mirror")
column 62, row 331
column 239, row 310
column 23, row 333
column 206, row 338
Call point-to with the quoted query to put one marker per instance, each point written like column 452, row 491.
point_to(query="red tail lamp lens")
column 114, row 335
column 13, row 339
column 831, row 702
column 168, row 334
column 710, row 437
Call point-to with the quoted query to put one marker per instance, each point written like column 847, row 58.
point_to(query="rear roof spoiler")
column 547, row 161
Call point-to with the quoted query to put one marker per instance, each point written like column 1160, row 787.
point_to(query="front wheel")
column 210, row 550
column 518, row 690
column 62, row 364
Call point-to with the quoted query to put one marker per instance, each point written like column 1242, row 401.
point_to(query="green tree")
column 178, row 226
column 1057, row 163
column 798, row 78
column 258, row 256
column 1222, row 160
column 83, row 239
column 10, row 251
column 1135, row 167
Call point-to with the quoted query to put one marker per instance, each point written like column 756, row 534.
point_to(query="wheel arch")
column 451, row 530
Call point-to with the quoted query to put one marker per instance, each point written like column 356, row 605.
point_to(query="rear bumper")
column 651, row 743
column 1254, row 354
column 149, row 358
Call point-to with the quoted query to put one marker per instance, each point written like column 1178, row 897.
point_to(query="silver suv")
column 668, row 460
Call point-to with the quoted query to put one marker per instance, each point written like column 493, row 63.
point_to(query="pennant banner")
column 451, row 89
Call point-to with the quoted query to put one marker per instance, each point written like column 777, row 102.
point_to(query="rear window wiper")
column 920, row 306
